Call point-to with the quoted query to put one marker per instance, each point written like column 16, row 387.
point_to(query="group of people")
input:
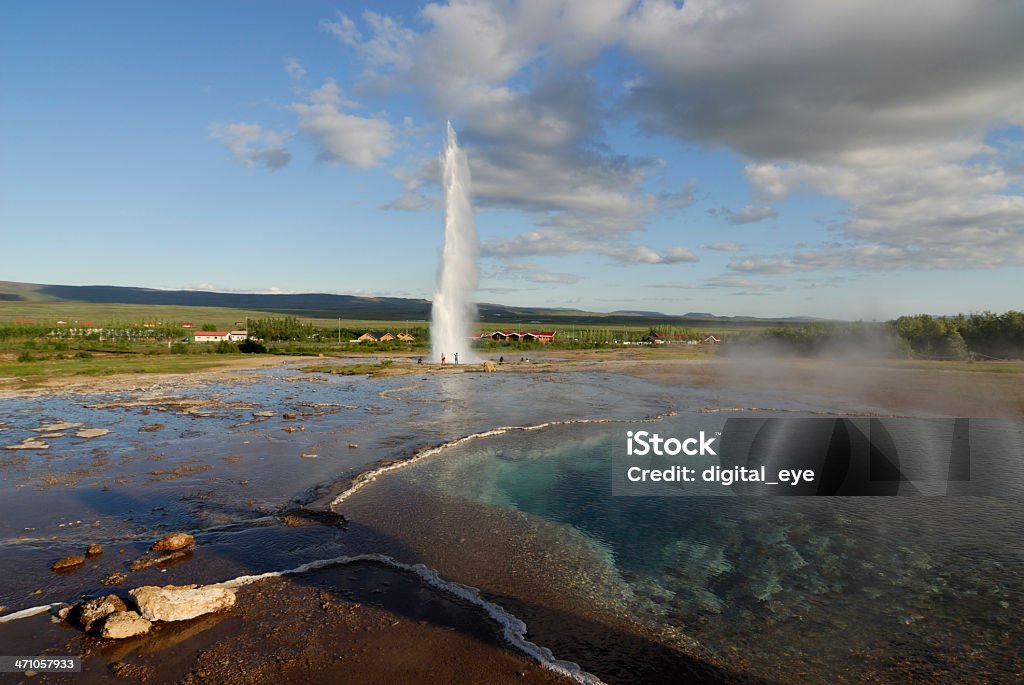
column 444, row 359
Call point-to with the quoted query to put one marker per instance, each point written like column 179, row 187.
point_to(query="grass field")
column 222, row 318
column 38, row 372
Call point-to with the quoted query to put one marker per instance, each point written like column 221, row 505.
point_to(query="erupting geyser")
column 453, row 312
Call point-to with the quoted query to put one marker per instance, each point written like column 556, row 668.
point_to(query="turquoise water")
column 802, row 588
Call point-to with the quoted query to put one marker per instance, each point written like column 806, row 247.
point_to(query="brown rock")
column 95, row 549
column 115, row 578
column 489, row 367
column 122, row 624
column 289, row 417
column 91, row 612
column 67, row 563
column 172, row 542
column 149, row 559
column 151, row 428
column 181, row 602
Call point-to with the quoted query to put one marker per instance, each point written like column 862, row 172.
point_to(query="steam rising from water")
column 453, row 312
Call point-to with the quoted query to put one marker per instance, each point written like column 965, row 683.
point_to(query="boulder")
column 122, row 624
column 489, row 367
column 172, row 542
column 181, row 602
column 91, row 612
column 73, row 561
column 115, row 578
column 94, row 550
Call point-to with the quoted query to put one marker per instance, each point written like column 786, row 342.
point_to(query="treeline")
column 962, row 337
column 292, row 330
column 985, row 335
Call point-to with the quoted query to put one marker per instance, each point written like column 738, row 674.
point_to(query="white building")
column 211, row 336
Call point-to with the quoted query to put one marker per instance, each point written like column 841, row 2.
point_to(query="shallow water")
column 201, row 458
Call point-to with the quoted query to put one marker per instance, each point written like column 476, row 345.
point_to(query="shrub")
column 250, row 346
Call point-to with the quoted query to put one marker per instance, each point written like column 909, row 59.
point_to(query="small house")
column 375, row 336
column 210, row 336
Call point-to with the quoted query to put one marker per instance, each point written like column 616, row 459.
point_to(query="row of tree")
column 983, row 336
column 986, row 335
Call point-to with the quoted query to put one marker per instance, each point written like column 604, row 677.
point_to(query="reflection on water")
column 230, row 454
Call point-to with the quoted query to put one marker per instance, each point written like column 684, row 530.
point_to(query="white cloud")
column 723, row 247
column 532, row 127
column 295, row 70
column 750, row 214
column 785, row 79
column 885, row 106
column 341, row 137
column 550, row 243
column 251, row 145
column 742, row 285
column 532, row 272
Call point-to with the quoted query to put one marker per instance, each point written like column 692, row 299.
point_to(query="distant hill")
column 328, row 306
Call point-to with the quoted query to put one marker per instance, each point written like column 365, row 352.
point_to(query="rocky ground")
column 352, row 624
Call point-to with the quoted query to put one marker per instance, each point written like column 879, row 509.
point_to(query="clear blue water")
column 812, row 586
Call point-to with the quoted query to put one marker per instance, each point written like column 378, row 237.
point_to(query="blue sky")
column 773, row 158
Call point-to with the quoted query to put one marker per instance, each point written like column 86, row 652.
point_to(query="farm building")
column 542, row 337
column 375, row 336
column 219, row 336
column 211, row 336
column 712, row 339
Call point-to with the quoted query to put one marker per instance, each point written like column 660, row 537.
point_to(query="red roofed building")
column 543, row 337
column 210, row 336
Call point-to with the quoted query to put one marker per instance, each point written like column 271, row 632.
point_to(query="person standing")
column 456, row 359
column 442, row 359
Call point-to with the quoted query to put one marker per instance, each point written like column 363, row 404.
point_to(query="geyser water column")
column 453, row 312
